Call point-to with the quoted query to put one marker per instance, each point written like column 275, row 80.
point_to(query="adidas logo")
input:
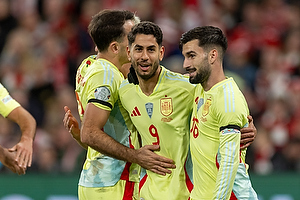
column 135, row 112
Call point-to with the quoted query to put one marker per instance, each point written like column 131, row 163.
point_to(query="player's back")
column 163, row 118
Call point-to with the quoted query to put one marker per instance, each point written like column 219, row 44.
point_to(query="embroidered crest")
column 166, row 106
column 207, row 104
column 102, row 93
column 149, row 109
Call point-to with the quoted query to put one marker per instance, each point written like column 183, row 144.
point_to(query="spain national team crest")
column 205, row 110
column 166, row 106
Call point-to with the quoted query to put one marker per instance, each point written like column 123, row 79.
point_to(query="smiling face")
column 196, row 62
column 145, row 55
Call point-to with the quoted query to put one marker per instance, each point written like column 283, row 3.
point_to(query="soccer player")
column 219, row 113
column 160, row 106
column 19, row 157
column 104, row 131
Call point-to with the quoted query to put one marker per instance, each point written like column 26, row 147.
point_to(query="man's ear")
column 114, row 47
column 128, row 53
column 213, row 55
column 162, row 52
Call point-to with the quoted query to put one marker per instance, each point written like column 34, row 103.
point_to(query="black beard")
column 200, row 77
column 148, row 76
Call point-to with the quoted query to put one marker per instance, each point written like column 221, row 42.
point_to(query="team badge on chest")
column 207, row 104
column 166, row 106
column 149, row 109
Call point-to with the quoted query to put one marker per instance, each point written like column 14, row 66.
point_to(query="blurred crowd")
column 42, row 42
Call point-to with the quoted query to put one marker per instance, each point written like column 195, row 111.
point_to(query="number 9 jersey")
column 162, row 118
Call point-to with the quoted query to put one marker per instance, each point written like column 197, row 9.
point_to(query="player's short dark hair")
column 147, row 28
column 107, row 26
column 208, row 37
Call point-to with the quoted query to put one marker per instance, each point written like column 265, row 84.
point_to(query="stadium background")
column 42, row 43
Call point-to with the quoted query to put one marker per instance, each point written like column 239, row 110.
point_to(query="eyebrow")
column 148, row 47
column 190, row 52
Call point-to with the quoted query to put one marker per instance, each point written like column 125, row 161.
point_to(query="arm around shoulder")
column 93, row 135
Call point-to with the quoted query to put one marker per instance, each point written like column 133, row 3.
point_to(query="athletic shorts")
column 123, row 190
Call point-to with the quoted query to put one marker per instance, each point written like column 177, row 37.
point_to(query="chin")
column 191, row 79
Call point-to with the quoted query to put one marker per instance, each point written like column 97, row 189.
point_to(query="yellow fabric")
column 7, row 103
column 163, row 118
column 222, row 105
column 99, row 80
column 106, row 193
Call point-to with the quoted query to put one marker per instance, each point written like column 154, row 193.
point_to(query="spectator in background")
column 19, row 157
column 267, row 25
column 7, row 22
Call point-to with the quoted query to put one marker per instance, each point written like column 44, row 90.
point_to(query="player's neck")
column 147, row 86
column 114, row 59
column 215, row 77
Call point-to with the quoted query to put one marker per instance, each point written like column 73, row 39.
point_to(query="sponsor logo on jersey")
column 149, row 109
column 135, row 112
column 102, row 93
column 166, row 106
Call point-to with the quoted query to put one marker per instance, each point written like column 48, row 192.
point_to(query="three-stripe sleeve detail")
column 229, row 101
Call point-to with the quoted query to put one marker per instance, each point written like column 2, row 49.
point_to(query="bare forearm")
column 105, row 144
column 144, row 156
column 93, row 135
column 25, row 121
column 28, row 128
column 83, row 145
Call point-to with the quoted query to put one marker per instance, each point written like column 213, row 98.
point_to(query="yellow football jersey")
column 163, row 118
column 219, row 166
column 97, row 82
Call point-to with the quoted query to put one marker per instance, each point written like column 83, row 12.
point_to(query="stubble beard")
column 148, row 75
column 202, row 75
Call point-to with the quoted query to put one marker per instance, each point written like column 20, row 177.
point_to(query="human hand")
column 10, row 161
column 248, row 134
column 71, row 124
column 153, row 162
column 24, row 150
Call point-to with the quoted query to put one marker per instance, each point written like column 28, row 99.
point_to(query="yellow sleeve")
column 7, row 103
column 228, row 159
